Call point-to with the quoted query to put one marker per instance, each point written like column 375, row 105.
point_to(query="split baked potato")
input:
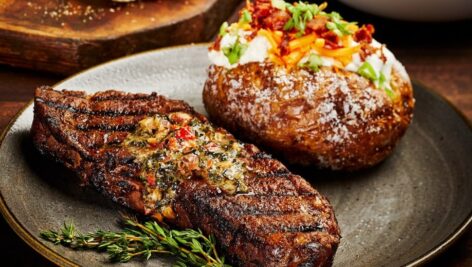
column 331, row 108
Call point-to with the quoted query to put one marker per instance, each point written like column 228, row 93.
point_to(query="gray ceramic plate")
column 403, row 211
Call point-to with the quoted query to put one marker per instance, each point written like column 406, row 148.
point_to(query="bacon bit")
column 185, row 133
column 331, row 40
column 216, row 44
column 382, row 55
column 252, row 35
column 151, row 179
column 276, row 21
column 260, row 10
column 317, row 25
column 366, row 51
column 284, row 50
column 364, row 34
column 264, row 15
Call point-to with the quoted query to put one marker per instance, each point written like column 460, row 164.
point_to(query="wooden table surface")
column 439, row 55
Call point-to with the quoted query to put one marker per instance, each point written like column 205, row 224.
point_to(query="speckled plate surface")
column 402, row 212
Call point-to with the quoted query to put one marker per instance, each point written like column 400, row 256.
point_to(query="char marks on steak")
column 280, row 221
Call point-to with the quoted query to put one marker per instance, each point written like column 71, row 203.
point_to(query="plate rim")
column 56, row 258
column 467, row 223
column 31, row 240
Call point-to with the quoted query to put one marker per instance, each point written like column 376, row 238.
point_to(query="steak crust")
column 280, row 221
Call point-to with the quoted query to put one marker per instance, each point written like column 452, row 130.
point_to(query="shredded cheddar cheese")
column 301, row 35
column 299, row 29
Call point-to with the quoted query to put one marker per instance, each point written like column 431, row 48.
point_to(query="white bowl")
column 416, row 10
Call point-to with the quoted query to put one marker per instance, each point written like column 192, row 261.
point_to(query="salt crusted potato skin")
column 334, row 119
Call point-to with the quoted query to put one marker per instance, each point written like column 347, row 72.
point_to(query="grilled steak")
column 162, row 159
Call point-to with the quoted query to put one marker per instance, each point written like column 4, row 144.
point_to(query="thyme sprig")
column 191, row 247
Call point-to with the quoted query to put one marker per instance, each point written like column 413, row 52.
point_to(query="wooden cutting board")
column 65, row 36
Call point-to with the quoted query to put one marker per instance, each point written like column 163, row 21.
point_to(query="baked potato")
column 342, row 111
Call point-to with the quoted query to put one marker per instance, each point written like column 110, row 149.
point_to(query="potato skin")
column 332, row 118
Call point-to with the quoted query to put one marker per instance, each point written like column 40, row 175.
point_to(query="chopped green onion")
column 367, row 71
column 279, row 4
column 330, row 25
column 335, row 16
column 223, row 29
column 314, row 62
column 382, row 80
column 289, row 25
column 384, row 86
column 245, row 16
column 389, row 92
column 338, row 26
column 301, row 14
column 234, row 52
column 334, row 28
